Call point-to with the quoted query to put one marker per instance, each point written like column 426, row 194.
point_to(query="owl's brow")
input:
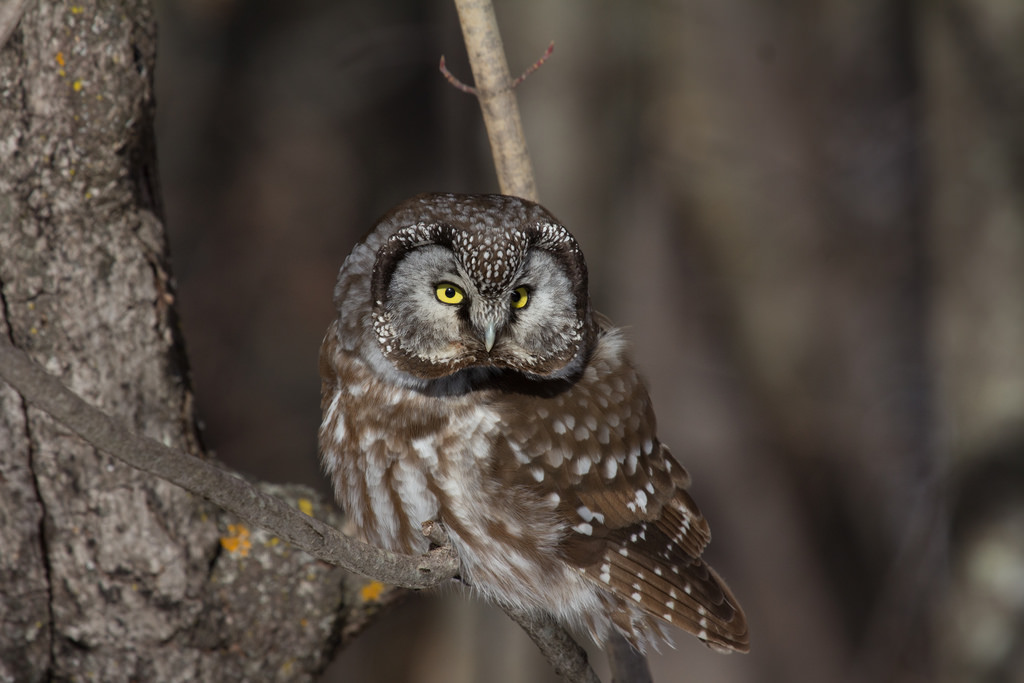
column 552, row 236
column 403, row 240
column 420, row 234
column 494, row 261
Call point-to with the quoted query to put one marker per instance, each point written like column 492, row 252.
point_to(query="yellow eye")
column 447, row 293
column 520, row 297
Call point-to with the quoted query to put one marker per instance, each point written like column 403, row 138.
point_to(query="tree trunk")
column 107, row 573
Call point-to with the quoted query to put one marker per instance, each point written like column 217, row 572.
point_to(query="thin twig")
column 453, row 79
column 497, row 101
column 459, row 85
column 536, row 65
column 218, row 485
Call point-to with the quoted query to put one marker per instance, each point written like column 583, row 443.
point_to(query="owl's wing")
column 649, row 548
column 635, row 530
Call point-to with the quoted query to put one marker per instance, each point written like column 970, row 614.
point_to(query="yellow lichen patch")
column 237, row 540
column 77, row 9
column 77, row 86
column 306, row 505
column 371, row 591
column 60, row 58
column 272, row 541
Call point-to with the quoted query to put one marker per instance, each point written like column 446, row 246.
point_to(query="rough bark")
column 105, row 572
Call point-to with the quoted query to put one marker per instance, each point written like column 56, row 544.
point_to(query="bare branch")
column 628, row 665
column 565, row 654
column 497, row 101
column 218, row 485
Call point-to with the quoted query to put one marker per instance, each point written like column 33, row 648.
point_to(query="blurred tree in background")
column 809, row 214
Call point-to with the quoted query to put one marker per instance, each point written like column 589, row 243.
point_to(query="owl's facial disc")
column 447, row 298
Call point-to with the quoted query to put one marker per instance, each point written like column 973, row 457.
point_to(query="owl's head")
column 465, row 281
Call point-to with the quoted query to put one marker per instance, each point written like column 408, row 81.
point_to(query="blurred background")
column 809, row 215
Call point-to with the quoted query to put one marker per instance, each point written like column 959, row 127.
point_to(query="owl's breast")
column 399, row 457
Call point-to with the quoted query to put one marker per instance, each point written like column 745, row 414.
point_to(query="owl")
column 467, row 381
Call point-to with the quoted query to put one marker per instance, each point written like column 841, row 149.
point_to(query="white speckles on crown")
column 494, row 259
column 489, row 233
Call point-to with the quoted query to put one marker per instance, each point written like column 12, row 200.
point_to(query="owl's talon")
column 436, row 533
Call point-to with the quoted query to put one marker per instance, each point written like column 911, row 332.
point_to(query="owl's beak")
column 489, row 334
column 488, row 320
